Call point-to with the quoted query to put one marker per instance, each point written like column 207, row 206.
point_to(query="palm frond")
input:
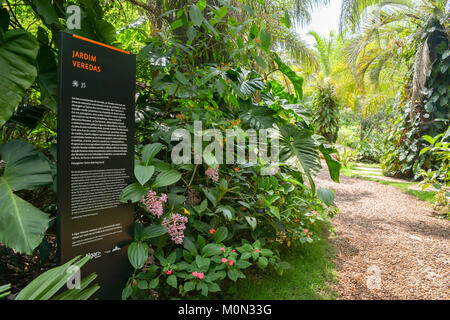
column 354, row 12
column 290, row 42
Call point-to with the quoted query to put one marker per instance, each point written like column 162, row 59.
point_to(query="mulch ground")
column 20, row 269
column 381, row 229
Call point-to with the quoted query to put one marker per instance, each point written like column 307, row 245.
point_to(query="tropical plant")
column 347, row 156
column 190, row 225
column 440, row 178
column 200, row 266
column 414, row 37
column 325, row 110
column 47, row 285
column 22, row 226
column 4, row 291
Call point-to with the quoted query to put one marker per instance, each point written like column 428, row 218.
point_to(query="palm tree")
column 326, row 49
column 374, row 52
column 355, row 12
column 405, row 43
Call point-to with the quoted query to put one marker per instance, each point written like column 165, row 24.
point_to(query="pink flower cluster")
column 154, row 204
column 199, row 275
column 225, row 260
column 175, row 227
column 213, row 174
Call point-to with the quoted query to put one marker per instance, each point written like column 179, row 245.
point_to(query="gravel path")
column 383, row 231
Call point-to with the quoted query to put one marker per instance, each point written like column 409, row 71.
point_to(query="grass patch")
column 309, row 278
column 428, row 196
column 369, row 165
column 348, row 172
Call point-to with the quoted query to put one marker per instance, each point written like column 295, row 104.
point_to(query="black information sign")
column 95, row 158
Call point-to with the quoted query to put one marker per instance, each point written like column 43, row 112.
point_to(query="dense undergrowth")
column 197, row 224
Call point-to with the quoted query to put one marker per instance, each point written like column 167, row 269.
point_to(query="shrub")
column 188, row 243
column 326, row 112
column 369, row 151
column 440, row 178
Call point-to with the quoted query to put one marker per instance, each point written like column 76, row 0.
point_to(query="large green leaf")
column 50, row 282
column 46, row 10
column 4, row 20
column 47, row 77
column 258, row 117
column 172, row 281
column 5, row 291
column 105, row 31
column 326, row 195
column 211, row 249
column 143, row 173
column 26, row 168
column 196, row 15
column 153, row 231
column 296, row 80
column 150, row 151
column 166, row 178
column 334, row 166
column 93, row 26
column 133, row 192
column 138, row 254
column 202, row 263
column 299, row 149
column 220, row 235
column 18, row 53
column 265, row 39
column 243, row 83
column 22, row 226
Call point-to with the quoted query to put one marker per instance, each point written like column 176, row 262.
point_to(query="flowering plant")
column 202, row 223
column 199, row 267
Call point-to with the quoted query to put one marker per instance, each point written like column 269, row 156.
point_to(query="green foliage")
column 199, row 270
column 144, row 171
column 309, row 275
column 18, row 52
column 296, row 80
column 300, row 149
column 404, row 155
column 22, row 226
column 326, row 112
column 369, row 151
column 440, row 178
column 366, row 135
column 4, row 291
column 348, row 156
column 202, row 62
column 216, row 216
column 47, row 285
column 413, row 40
column 28, row 58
